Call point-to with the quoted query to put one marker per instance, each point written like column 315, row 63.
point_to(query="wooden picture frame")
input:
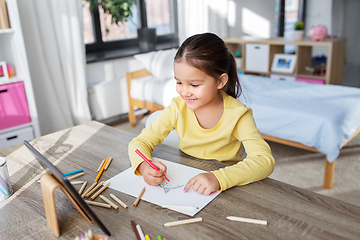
column 283, row 63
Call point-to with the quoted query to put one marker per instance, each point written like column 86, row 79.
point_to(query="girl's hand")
column 204, row 183
column 150, row 175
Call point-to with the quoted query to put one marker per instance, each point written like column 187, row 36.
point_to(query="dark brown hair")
column 209, row 53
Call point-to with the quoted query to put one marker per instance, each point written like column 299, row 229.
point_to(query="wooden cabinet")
column 303, row 52
column 18, row 114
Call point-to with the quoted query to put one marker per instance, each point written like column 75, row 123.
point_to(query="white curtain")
column 53, row 36
column 199, row 16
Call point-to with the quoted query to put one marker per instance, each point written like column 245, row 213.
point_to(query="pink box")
column 310, row 80
column 14, row 109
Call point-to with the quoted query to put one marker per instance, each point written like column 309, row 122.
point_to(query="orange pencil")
column 101, row 170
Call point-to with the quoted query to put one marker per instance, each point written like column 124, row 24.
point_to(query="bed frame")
column 152, row 107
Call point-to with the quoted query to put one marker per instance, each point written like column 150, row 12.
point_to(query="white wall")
column 318, row 12
column 251, row 18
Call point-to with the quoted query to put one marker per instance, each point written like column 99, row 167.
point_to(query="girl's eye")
column 194, row 85
column 178, row 82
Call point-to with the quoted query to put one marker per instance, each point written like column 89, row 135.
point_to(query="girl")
column 210, row 121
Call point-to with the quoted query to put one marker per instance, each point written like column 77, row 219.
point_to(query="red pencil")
column 150, row 163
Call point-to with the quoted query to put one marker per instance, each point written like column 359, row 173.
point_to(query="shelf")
column 304, row 58
column 320, row 77
column 8, row 30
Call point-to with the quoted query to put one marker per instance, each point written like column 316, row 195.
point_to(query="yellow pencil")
column 101, row 170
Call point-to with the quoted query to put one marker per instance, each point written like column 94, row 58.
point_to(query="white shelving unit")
column 12, row 50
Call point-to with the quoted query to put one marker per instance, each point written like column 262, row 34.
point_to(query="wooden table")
column 291, row 212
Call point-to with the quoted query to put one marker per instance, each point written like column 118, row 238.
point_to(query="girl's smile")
column 198, row 89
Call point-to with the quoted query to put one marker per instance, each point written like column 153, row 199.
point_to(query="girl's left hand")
column 203, row 183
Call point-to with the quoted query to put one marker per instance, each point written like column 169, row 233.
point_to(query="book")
column 4, row 16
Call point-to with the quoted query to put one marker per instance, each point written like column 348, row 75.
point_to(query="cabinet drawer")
column 14, row 109
column 257, row 57
column 283, row 77
column 15, row 137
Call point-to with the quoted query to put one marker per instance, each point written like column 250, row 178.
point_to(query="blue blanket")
column 316, row 115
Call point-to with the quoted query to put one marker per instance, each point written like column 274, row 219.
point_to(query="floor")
column 303, row 168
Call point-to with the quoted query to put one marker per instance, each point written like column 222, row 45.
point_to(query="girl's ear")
column 223, row 80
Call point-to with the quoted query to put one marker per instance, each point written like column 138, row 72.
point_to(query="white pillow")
column 159, row 63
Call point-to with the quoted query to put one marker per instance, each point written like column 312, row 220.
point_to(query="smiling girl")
column 210, row 121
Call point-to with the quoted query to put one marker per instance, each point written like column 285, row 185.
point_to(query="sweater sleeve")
column 149, row 138
column 259, row 162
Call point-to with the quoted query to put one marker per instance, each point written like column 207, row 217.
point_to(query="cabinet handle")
column 10, row 138
column 257, row 47
column 2, row 91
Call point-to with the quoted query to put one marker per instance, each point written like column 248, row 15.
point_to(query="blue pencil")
column 73, row 172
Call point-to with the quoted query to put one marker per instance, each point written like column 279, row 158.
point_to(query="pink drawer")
column 14, row 109
column 310, row 80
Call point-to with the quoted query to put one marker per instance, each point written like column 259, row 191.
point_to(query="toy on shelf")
column 318, row 33
column 10, row 70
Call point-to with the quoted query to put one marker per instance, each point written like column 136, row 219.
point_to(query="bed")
column 314, row 117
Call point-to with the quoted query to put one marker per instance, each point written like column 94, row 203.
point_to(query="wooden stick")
column 176, row 223
column 89, row 189
column 96, row 188
column 100, row 191
column 98, row 204
column 102, row 163
column 247, row 220
column 139, row 197
column 82, row 188
column 108, row 163
column 76, row 176
column 109, row 202
column 118, row 201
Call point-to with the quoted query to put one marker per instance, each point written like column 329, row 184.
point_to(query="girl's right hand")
column 150, row 175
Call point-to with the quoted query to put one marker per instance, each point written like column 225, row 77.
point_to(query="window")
column 105, row 40
column 287, row 13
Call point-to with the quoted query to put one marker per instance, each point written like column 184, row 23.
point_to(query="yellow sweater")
column 224, row 142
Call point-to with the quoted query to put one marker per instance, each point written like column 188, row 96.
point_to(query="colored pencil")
column 108, row 163
column 89, row 189
column 101, row 170
column 141, row 234
column 150, row 163
column 98, row 204
column 100, row 191
column 76, row 176
column 139, row 197
column 102, row 163
column 77, row 182
column 118, row 201
column 176, row 223
column 247, row 220
column 135, row 230
column 82, row 188
column 73, row 172
column 94, row 189
column 147, row 237
column 109, row 202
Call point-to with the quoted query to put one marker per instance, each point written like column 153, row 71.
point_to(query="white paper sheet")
column 170, row 193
